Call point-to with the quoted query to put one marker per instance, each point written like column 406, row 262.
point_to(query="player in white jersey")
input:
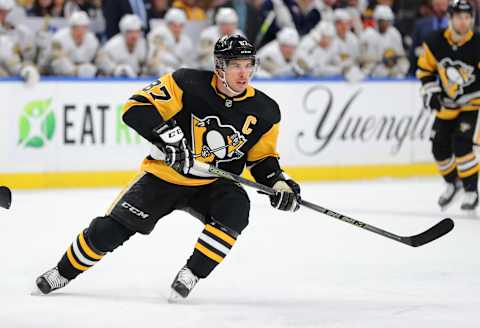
column 276, row 57
column 169, row 48
column 11, row 61
column 317, row 54
column 125, row 54
column 73, row 48
column 21, row 34
column 226, row 23
column 348, row 46
column 383, row 54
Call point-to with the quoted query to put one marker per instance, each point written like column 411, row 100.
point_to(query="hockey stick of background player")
column 264, row 28
column 5, row 197
column 437, row 231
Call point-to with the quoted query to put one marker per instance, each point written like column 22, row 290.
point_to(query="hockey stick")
column 5, row 197
column 435, row 232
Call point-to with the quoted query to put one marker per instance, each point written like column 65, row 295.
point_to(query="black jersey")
column 455, row 66
column 225, row 132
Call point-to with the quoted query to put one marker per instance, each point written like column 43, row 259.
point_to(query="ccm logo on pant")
column 135, row 210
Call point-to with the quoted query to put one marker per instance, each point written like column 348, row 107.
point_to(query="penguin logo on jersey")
column 455, row 75
column 214, row 142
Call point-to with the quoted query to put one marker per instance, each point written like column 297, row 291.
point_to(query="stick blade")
column 441, row 228
column 5, row 197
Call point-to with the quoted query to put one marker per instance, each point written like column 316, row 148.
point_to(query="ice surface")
column 286, row 270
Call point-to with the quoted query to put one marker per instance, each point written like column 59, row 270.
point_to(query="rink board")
column 69, row 133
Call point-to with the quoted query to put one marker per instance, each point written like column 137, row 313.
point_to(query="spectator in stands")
column 425, row 26
column 73, row 48
column 226, row 23
column 346, row 41
column 191, row 8
column 114, row 10
column 277, row 14
column 11, row 63
column 383, row 53
column 125, row 54
column 276, row 57
column 42, row 8
column 248, row 20
column 169, row 47
column 157, row 9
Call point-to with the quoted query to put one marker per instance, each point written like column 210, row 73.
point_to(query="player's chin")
column 241, row 86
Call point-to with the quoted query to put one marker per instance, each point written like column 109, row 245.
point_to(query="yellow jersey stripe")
column 74, row 262
column 208, row 253
column 87, row 248
column 220, row 234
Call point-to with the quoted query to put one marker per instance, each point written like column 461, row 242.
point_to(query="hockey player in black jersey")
column 449, row 70
column 188, row 116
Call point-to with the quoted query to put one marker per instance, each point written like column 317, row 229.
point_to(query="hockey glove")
column 431, row 92
column 173, row 147
column 287, row 196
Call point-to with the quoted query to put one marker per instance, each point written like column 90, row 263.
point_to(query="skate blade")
column 36, row 292
column 175, row 298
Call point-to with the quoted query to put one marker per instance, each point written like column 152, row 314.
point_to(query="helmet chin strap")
column 221, row 75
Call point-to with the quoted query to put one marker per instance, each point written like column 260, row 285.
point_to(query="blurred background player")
column 11, row 61
column 276, row 57
column 169, row 48
column 450, row 75
column 125, row 54
column 383, row 54
column 74, row 48
column 179, row 114
column 347, row 45
column 226, row 23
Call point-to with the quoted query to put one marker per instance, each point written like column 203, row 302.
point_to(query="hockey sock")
column 79, row 257
column 211, row 248
column 447, row 169
column 467, row 167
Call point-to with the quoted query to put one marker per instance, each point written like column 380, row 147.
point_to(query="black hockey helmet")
column 233, row 46
column 460, row 6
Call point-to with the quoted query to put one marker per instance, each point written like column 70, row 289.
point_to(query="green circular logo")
column 36, row 124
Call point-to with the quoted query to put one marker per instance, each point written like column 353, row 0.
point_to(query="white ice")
column 286, row 270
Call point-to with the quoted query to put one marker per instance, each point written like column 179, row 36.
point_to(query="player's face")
column 287, row 51
column 131, row 37
column 176, row 29
column 78, row 33
column 238, row 73
column 462, row 23
column 325, row 41
column 342, row 27
column 383, row 25
column 227, row 29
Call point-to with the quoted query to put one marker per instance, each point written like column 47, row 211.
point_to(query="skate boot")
column 449, row 195
column 470, row 201
column 183, row 284
column 50, row 281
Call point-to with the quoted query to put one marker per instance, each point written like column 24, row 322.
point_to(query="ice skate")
column 182, row 285
column 449, row 195
column 470, row 201
column 50, row 281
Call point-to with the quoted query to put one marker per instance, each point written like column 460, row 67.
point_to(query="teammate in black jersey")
column 191, row 115
column 450, row 73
